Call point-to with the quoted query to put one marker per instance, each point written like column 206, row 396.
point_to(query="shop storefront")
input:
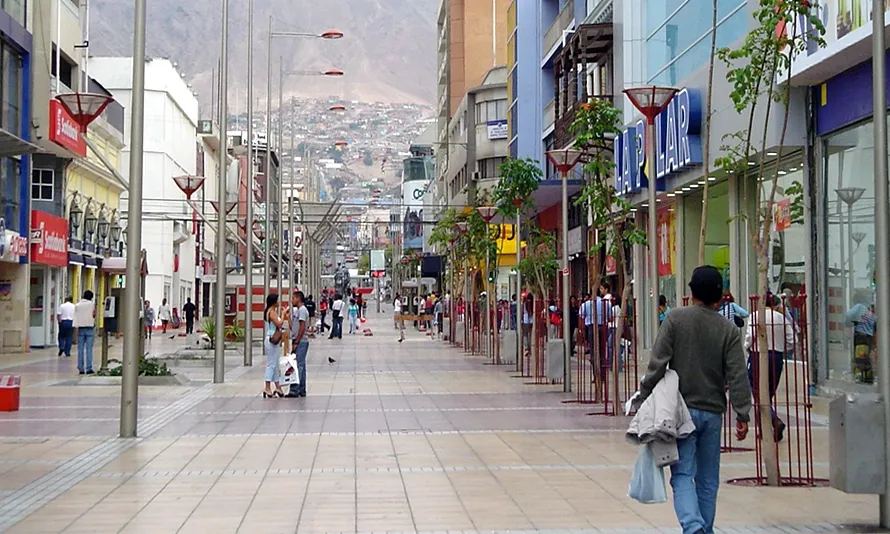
column 844, row 199
column 13, row 290
column 49, row 257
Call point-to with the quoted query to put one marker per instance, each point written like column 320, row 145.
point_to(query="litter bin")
column 9, row 393
column 856, row 444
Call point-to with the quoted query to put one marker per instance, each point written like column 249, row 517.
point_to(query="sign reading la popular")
column 64, row 130
column 677, row 144
column 49, row 239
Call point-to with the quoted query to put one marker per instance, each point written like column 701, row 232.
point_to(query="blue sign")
column 677, row 144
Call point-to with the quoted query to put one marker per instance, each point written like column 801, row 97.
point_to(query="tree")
column 540, row 265
column 706, row 147
column 595, row 124
column 364, row 263
column 519, row 180
column 754, row 71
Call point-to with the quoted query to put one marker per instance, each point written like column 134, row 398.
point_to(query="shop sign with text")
column 64, row 130
column 49, row 239
column 677, row 144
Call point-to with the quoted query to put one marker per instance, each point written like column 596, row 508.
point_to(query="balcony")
column 562, row 22
column 588, row 51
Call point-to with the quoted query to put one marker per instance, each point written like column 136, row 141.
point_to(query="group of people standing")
column 275, row 317
column 82, row 318
column 168, row 317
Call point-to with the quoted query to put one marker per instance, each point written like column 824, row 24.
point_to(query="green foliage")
column 208, row 326
column 519, row 180
column 147, row 367
column 364, row 263
column 540, row 264
column 445, row 230
column 235, row 331
column 595, row 124
column 795, row 191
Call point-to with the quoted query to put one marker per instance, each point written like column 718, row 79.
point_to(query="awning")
column 75, row 259
column 119, row 266
column 12, row 145
column 89, row 262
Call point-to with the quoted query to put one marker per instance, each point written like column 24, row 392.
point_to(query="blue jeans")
column 85, row 335
column 301, row 350
column 696, row 478
column 66, row 337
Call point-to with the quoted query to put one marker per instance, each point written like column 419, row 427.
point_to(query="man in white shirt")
column 66, row 327
column 337, row 310
column 85, row 322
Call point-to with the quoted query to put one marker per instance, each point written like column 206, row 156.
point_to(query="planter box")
column 555, row 359
column 173, row 380
column 508, row 347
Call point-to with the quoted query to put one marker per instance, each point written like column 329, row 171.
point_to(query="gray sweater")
column 706, row 352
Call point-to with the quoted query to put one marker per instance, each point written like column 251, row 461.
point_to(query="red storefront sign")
column 64, row 130
column 665, row 241
column 783, row 214
column 49, row 239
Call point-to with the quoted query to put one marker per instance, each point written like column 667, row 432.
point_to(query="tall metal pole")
column 248, row 253
column 280, row 144
column 652, row 228
column 292, row 243
column 564, row 281
column 268, row 173
column 132, row 291
column 882, row 237
column 519, row 302
column 219, row 349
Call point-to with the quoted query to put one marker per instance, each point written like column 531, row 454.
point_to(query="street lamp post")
column 132, row 291
column 251, row 167
column 651, row 101
column 219, row 348
column 882, row 236
column 565, row 160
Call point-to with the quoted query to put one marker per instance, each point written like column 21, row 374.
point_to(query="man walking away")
column 337, row 311
column 85, row 322
column 66, row 327
column 189, row 309
column 164, row 315
column 310, row 307
column 299, row 334
column 706, row 352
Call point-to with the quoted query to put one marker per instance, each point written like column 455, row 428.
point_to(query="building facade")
column 171, row 120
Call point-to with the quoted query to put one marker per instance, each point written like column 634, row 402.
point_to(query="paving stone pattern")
column 411, row 437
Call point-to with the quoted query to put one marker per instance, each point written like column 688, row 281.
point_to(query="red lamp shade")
column 564, row 160
column 332, row 34
column 337, row 107
column 84, row 107
column 650, row 100
column 487, row 212
column 341, row 144
column 461, row 227
column 229, row 206
column 333, row 72
column 188, row 184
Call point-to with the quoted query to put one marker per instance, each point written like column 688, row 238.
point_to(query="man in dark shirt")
column 705, row 350
column 189, row 309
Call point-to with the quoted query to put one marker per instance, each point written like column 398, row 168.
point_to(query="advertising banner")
column 413, row 194
column 49, row 239
column 664, row 232
column 378, row 260
column 64, row 130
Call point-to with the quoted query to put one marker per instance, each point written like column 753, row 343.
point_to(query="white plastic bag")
column 287, row 368
column 647, row 480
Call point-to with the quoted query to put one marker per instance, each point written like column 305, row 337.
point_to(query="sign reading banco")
column 677, row 144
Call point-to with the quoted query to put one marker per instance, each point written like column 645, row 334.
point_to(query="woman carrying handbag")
column 272, row 338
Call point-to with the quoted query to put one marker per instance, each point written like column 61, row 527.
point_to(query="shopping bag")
column 647, row 480
column 287, row 367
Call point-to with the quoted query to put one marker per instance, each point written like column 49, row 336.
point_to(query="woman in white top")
column 396, row 311
column 165, row 315
column 779, row 342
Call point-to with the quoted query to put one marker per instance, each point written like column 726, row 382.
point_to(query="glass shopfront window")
column 849, row 200
column 787, row 256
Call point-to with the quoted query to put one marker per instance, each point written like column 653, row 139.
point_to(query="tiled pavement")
column 411, row 437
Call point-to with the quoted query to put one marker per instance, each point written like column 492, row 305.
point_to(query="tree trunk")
column 706, row 148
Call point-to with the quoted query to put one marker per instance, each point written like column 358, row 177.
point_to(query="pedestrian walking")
column 85, row 322
column 149, row 317
column 396, row 311
column 337, row 311
column 165, row 315
column 323, row 306
column 705, row 350
column 272, row 323
column 189, row 309
column 66, row 326
column 310, row 307
column 353, row 316
column 299, row 333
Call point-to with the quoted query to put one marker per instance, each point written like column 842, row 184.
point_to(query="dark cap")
column 707, row 284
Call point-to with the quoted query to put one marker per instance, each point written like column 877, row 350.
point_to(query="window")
column 491, row 110
column 10, row 179
column 16, row 9
column 677, row 43
column 489, row 168
column 10, row 89
column 67, row 71
column 42, row 182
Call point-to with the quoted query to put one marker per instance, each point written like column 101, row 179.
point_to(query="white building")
column 171, row 120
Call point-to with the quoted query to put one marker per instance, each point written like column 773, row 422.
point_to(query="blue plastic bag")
column 647, row 480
